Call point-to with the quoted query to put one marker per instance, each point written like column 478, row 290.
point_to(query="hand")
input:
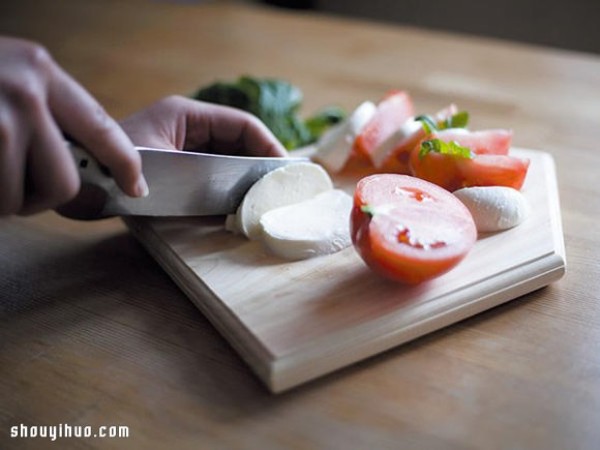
column 38, row 103
column 180, row 123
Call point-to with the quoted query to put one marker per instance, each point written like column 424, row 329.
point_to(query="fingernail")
column 141, row 188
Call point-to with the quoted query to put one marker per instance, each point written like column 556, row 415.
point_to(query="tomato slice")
column 392, row 111
column 455, row 172
column 408, row 229
column 398, row 159
column 493, row 170
column 482, row 142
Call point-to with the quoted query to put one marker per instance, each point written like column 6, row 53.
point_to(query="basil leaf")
column 323, row 120
column 458, row 120
column 452, row 148
column 275, row 102
column 428, row 123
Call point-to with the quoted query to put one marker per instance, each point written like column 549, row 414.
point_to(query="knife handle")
column 96, row 183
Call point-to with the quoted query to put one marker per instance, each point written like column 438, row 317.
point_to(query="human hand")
column 179, row 123
column 38, row 103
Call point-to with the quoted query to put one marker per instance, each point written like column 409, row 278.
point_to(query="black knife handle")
column 96, row 181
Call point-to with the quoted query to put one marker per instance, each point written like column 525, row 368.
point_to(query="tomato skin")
column 454, row 172
column 494, row 170
column 398, row 161
column 392, row 111
column 482, row 142
column 412, row 230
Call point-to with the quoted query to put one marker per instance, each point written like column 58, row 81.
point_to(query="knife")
column 181, row 184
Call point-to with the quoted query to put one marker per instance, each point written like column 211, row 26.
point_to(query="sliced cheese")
column 335, row 145
column 283, row 186
column 494, row 208
column 318, row 226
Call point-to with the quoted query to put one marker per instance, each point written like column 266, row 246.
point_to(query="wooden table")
column 93, row 332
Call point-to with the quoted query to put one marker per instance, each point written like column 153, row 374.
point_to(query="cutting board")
column 295, row 321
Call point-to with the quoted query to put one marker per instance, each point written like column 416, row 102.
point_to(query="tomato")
column 455, row 172
column 494, row 170
column 392, row 111
column 408, row 136
column 408, row 229
column 495, row 141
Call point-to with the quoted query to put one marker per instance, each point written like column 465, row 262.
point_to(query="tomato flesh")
column 398, row 160
column 454, row 172
column 408, row 229
column 392, row 111
column 482, row 142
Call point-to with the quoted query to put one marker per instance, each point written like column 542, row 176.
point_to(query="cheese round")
column 494, row 208
column 335, row 145
column 318, row 226
column 283, row 186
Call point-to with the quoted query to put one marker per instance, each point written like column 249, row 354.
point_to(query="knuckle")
column 28, row 93
column 102, row 125
column 37, row 57
column 171, row 101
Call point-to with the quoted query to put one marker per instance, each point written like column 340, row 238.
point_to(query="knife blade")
column 181, row 184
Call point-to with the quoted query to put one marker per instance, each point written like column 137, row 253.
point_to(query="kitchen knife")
column 181, row 184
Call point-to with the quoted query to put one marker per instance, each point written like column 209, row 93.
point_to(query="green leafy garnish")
column 458, row 120
column 323, row 120
column 276, row 103
column 428, row 123
column 368, row 209
column 445, row 148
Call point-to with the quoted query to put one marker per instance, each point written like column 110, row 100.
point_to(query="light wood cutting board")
column 295, row 321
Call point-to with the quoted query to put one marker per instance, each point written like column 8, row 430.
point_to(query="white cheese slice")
column 318, row 226
column 283, row 186
column 494, row 208
column 335, row 145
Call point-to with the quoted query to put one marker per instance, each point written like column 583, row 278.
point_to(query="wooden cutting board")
column 295, row 321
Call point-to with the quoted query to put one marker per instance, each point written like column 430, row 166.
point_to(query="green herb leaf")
column 368, row 209
column 458, row 120
column 275, row 102
column 445, row 148
column 323, row 120
column 428, row 123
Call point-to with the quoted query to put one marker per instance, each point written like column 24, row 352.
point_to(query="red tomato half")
column 395, row 108
column 408, row 229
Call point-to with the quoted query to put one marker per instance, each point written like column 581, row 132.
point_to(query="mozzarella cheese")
column 283, row 186
column 494, row 208
column 318, row 226
column 335, row 145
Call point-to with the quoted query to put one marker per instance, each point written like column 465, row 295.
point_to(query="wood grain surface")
column 295, row 321
column 93, row 331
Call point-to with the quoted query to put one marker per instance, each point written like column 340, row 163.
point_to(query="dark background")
column 567, row 24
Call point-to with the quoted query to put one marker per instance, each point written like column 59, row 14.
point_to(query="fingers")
column 192, row 125
column 12, row 160
column 52, row 178
column 230, row 127
column 83, row 118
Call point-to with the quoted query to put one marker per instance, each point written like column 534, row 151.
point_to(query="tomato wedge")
column 397, row 148
column 483, row 142
column 392, row 111
column 408, row 229
column 454, row 172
